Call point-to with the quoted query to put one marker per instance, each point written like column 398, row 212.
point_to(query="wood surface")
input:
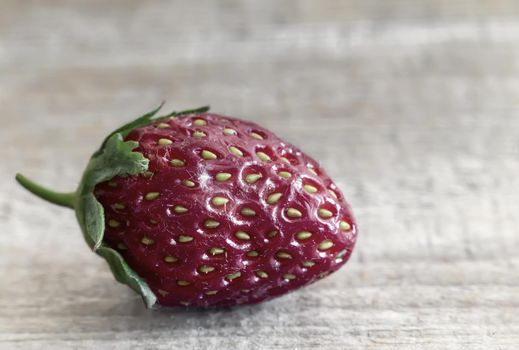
column 412, row 106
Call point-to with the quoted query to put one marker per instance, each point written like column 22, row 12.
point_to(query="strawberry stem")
column 63, row 199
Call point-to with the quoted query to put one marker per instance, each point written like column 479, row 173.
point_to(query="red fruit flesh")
column 158, row 221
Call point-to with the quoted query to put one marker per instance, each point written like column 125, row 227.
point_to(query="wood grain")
column 412, row 106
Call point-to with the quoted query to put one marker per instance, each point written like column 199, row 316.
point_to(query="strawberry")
column 199, row 209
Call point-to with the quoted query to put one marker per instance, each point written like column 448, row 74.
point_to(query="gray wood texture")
column 412, row 106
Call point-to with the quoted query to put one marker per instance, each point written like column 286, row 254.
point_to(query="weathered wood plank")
column 410, row 105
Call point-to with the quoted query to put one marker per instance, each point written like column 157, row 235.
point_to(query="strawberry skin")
column 226, row 214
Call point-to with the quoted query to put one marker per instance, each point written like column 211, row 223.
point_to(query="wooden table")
column 412, row 106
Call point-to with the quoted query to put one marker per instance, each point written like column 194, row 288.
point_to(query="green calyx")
column 115, row 157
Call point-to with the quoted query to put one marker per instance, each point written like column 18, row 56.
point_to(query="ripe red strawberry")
column 207, row 210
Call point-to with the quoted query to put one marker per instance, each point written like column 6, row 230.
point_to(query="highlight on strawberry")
column 198, row 209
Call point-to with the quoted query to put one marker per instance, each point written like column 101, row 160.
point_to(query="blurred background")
column 411, row 106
